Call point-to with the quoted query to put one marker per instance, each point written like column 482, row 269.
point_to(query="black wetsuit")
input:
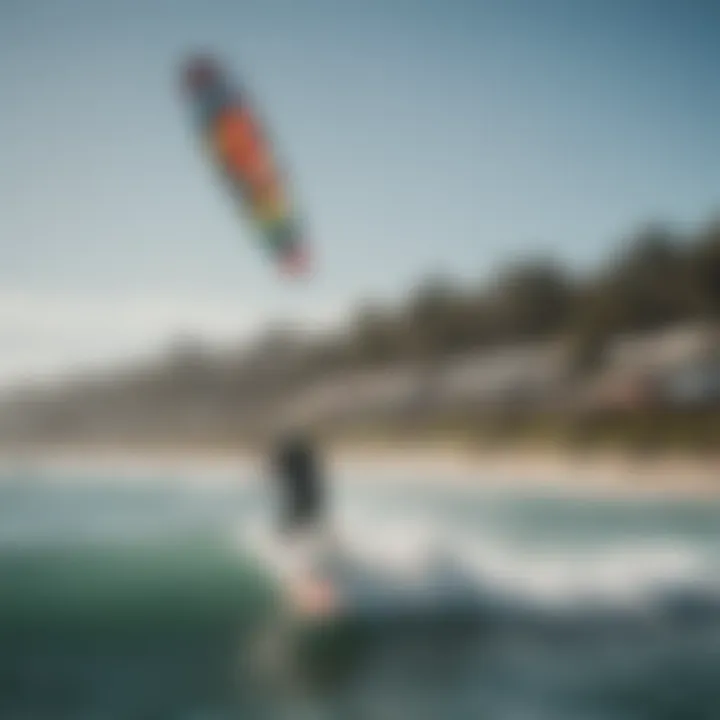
column 300, row 478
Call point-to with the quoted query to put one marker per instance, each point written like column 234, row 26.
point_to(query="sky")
column 421, row 136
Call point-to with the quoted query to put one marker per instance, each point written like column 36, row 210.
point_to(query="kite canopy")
column 234, row 135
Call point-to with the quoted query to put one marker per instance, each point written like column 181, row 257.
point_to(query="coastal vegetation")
column 195, row 394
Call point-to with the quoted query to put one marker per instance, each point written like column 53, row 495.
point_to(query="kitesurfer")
column 298, row 471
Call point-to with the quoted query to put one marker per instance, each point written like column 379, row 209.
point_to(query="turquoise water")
column 146, row 599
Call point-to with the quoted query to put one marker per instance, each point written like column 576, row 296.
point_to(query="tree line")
column 657, row 278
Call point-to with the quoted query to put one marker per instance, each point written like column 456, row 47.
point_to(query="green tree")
column 532, row 300
column 704, row 265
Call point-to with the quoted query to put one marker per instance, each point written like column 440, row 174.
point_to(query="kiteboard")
column 304, row 567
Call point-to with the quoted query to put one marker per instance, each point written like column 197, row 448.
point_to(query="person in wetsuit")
column 299, row 475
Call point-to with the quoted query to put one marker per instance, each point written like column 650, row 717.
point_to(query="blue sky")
column 422, row 135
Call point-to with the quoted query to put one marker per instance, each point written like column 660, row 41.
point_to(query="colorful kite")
column 236, row 141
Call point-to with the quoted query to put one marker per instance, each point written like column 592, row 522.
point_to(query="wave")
column 496, row 608
column 416, row 565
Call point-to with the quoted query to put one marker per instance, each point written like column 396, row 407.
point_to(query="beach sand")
column 602, row 474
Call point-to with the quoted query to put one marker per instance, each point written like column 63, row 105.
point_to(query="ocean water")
column 146, row 597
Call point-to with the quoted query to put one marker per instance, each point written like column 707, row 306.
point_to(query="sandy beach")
column 601, row 474
column 607, row 473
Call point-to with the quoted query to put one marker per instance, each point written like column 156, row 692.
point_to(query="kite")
column 234, row 136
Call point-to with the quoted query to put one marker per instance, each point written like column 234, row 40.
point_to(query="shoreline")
column 608, row 474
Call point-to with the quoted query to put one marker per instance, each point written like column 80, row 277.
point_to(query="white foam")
column 419, row 556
